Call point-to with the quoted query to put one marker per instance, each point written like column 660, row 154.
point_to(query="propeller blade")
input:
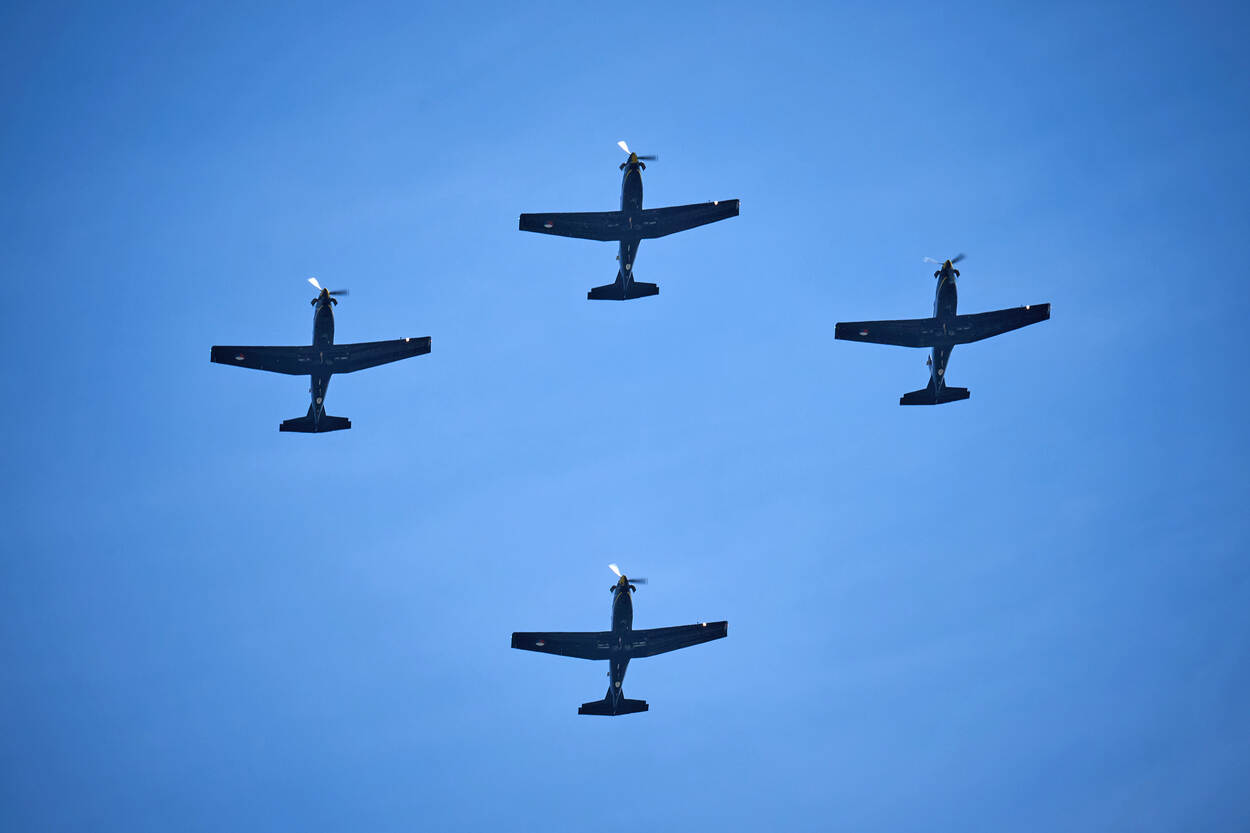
column 339, row 292
column 613, row 567
column 652, row 158
column 621, row 144
column 931, row 260
column 958, row 257
column 637, row 581
column 316, row 285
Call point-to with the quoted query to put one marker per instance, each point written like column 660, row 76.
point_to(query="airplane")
column 619, row 645
column 630, row 226
column 320, row 361
column 941, row 332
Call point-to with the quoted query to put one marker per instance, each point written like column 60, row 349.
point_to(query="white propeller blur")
column 621, row 144
column 617, row 570
column 316, row 285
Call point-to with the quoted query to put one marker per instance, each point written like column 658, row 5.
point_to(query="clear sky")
column 1027, row 611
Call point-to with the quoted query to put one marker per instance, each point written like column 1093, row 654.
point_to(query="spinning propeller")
column 328, row 292
column 954, row 259
column 319, row 288
column 621, row 144
column 629, row 581
column 942, row 263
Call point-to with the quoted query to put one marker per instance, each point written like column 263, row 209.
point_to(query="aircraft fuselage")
column 631, row 205
column 945, row 309
column 323, row 320
column 323, row 336
column 622, row 625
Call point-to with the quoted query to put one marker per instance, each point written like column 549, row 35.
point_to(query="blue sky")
column 1026, row 611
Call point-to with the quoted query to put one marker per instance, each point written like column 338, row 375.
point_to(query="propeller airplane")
column 619, row 645
column 629, row 227
column 941, row 332
column 321, row 360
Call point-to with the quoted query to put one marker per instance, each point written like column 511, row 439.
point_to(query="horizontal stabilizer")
column 607, row 707
column 928, row 396
column 622, row 291
column 310, row 425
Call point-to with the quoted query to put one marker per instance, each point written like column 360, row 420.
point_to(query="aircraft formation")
column 627, row 227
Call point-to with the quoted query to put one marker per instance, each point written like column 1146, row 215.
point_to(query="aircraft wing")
column 348, row 358
column 657, row 222
column 926, row 332
column 617, row 225
column 911, row 332
column 337, row 358
column 583, row 645
column 969, row 328
column 297, row 361
column 588, row 225
column 654, row 641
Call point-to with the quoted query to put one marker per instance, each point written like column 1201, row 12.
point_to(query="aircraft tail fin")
column 622, row 290
column 607, row 707
column 933, row 396
column 309, row 424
